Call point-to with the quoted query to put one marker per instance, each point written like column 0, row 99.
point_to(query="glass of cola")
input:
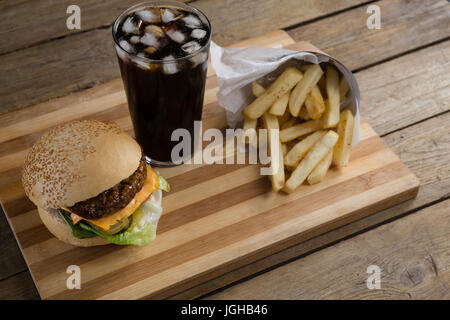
column 162, row 48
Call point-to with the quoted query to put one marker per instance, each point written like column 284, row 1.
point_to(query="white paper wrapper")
column 237, row 68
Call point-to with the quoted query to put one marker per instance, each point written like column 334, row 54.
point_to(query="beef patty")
column 113, row 199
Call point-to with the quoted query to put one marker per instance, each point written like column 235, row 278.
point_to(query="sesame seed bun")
column 77, row 161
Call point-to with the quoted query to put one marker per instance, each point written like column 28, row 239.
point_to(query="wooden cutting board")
column 217, row 218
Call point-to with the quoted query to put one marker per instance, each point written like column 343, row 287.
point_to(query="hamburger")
column 92, row 185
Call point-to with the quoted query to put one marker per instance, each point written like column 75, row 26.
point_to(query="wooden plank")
column 88, row 59
column 48, row 20
column 236, row 20
column 35, row 72
column 405, row 25
column 11, row 258
column 98, row 14
column 18, row 287
column 423, row 147
column 406, row 90
column 412, row 254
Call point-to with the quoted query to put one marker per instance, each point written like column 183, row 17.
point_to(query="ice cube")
column 157, row 31
column 170, row 67
column 198, row 33
column 141, row 62
column 150, row 16
column 128, row 47
column 191, row 47
column 192, row 21
column 150, row 40
column 168, row 15
column 198, row 58
column 135, row 39
column 129, row 26
column 122, row 54
column 176, row 35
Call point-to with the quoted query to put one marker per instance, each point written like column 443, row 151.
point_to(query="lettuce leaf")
column 141, row 232
column 137, row 235
column 76, row 229
column 163, row 184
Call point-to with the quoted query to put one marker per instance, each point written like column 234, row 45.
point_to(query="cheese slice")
column 150, row 185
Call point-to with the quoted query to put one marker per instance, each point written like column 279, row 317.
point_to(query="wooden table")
column 403, row 72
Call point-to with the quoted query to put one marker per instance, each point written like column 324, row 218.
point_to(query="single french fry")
column 257, row 89
column 270, row 122
column 321, row 169
column 285, row 117
column 289, row 123
column 310, row 161
column 317, row 108
column 279, row 106
column 298, row 151
column 285, row 82
column 303, row 87
column 331, row 115
column 345, row 127
column 299, row 130
column 305, row 112
column 343, row 88
column 249, row 129
column 277, row 178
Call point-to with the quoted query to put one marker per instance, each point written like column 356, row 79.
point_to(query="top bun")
column 77, row 161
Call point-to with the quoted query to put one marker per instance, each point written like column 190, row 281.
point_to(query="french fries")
column 331, row 116
column 321, row 169
column 317, row 107
column 303, row 87
column 285, row 82
column 270, row 122
column 310, row 161
column 301, row 148
column 279, row 106
column 299, row 130
column 278, row 177
column 257, row 89
column 345, row 131
column 304, row 105
column 249, row 129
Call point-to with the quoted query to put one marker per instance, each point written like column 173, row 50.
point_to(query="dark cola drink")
column 162, row 48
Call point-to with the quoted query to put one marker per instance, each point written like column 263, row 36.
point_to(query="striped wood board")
column 217, row 218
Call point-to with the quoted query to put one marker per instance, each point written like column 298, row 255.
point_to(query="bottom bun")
column 58, row 227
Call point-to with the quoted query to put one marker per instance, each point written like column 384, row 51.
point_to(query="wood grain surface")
column 413, row 258
column 216, row 218
column 87, row 59
column 410, row 115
